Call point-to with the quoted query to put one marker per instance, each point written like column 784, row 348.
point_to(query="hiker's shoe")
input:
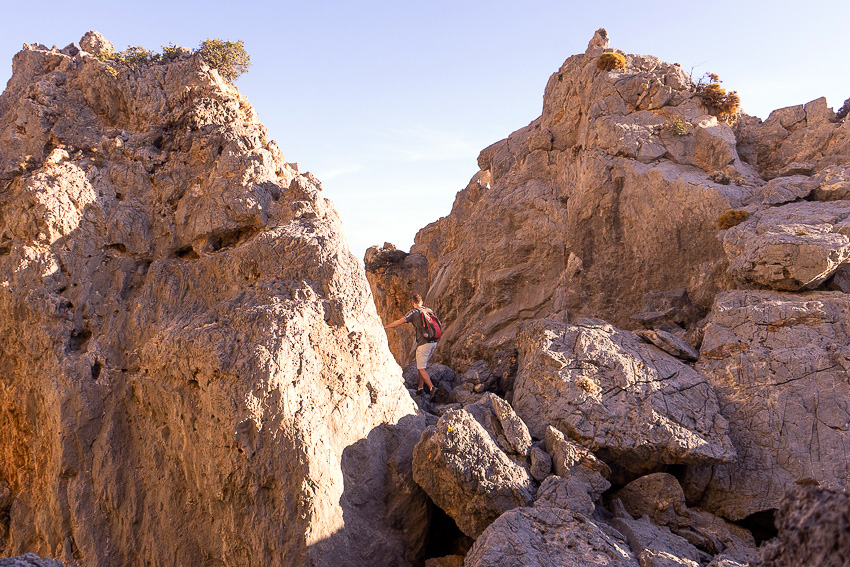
column 433, row 390
column 419, row 391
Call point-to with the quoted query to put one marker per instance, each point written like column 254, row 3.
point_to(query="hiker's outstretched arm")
column 396, row 323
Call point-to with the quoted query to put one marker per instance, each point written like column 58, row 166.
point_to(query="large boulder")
column 813, row 529
column 806, row 134
column 779, row 364
column 637, row 407
column 467, row 475
column 548, row 537
column 794, row 247
column 192, row 364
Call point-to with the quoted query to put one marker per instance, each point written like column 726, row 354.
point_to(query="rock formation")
column 193, row 369
column 635, row 202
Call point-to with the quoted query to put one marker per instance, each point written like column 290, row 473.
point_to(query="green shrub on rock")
column 229, row 58
column 610, row 61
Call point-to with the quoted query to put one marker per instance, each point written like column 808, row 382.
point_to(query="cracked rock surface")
column 192, row 364
column 634, row 405
column 779, row 364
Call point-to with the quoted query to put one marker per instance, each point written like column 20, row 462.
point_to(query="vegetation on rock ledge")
column 610, row 61
column 229, row 58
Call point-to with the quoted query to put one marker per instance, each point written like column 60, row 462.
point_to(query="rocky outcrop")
column 548, row 537
column 29, row 560
column 779, row 364
column 192, row 364
column 607, row 195
column 814, row 529
column 394, row 276
column 795, row 247
column 637, row 407
column 466, row 474
column 802, row 139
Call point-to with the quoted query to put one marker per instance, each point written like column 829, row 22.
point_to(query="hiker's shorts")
column 423, row 353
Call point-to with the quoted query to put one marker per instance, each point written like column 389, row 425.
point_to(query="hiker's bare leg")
column 423, row 375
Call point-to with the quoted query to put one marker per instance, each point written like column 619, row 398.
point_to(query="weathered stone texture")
column 547, row 537
column 637, row 407
column 192, row 364
column 779, row 364
column 466, row 474
column 814, row 529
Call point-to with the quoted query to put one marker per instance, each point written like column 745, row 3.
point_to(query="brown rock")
column 548, row 537
column 790, row 248
column 814, row 529
column 192, row 365
column 779, row 364
column 394, row 276
column 657, row 496
column 466, row 474
column 596, row 186
column 636, row 406
column 96, row 44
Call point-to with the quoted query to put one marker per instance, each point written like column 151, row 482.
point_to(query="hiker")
column 427, row 336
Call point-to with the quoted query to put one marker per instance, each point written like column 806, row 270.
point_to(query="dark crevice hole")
column 95, row 369
column 79, row 339
column 229, row 238
column 761, row 524
column 187, row 253
column 444, row 537
column 117, row 247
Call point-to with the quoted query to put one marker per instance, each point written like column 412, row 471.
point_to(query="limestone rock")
column 672, row 306
column 669, row 343
column 814, row 529
column 192, row 364
column 466, row 474
column 505, row 428
column 787, row 189
column 394, row 277
column 96, row 44
column 657, row 496
column 790, row 248
column 779, row 364
column 541, row 463
column 575, row 462
column 797, row 134
column 547, row 537
column 656, row 546
column 635, row 406
column 568, row 493
column 445, row 561
column 598, row 185
column 29, row 560
column 716, row 536
column 832, row 183
column 440, row 375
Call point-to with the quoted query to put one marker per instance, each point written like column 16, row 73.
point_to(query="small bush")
column 677, row 126
column 722, row 104
column 843, row 111
column 610, row 61
column 732, row 217
column 720, row 178
column 228, row 57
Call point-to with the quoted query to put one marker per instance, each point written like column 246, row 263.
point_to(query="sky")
column 389, row 103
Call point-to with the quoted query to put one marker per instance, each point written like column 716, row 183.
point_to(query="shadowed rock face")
column 192, row 366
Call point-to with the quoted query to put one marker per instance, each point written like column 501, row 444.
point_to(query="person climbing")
column 428, row 332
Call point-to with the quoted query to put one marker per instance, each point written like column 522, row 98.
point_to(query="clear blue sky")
column 389, row 103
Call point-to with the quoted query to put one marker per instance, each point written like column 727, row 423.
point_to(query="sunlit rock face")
column 192, row 370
